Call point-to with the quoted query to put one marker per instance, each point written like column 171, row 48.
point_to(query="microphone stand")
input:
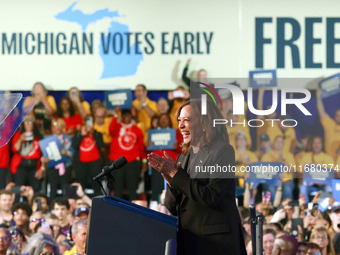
column 106, row 181
column 256, row 227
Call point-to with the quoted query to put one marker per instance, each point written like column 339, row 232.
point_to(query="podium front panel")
column 120, row 227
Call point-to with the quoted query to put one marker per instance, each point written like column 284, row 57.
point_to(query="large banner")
column 106, row 45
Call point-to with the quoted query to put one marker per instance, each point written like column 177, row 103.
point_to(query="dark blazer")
column 209, row 222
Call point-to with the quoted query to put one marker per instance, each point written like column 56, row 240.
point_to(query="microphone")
column 108, row 169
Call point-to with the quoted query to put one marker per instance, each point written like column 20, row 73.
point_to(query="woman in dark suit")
column 204, row 202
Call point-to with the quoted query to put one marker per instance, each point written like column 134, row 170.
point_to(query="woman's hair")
column 79, row 93
column 60, row 112
column 153, row 119
column 205, row 124
column 312, row 246
column 37, row 242
column 330, row 248
column 36, row 132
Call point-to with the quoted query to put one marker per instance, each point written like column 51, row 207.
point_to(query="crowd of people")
column 44, row 208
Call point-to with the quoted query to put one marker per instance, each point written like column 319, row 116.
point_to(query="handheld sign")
column 121, row 98
column 336, row 189
column 51, row 148
column 162, row 139
column 330, row 86
column 262, row 78
column 317, row 175
column 265, row 172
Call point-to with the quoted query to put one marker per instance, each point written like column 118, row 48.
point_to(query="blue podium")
column 119, row 227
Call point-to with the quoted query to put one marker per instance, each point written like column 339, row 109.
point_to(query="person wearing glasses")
column 18, row 237
column 21, row 215
column 35, row 219
column 321, row 237
column 5, row 241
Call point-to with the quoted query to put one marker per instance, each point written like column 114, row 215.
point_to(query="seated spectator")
column 18, row 237
column 5, row 241
column 315, row 157
column 275, row 128
column 61, row 208
column 335, row 218
column 145, row 107
column 312, row 249
column 264, row 145
column 40, row 243
column 301, row 248
column 73, row 120
column 243, row 157
column 4, row 164
column 80, row 105
column 304, row 148
column 26, row 162
column 79, row 233
column 54, row 223
column 60, row 174
column 285, row 245
column 21, row 216
column 331, row 126
column 277, row 154
column 35, row 219
column 127, row 140
column 321, row 237
column 39, row 92
column 88, row 145
column 234, row 129
column 81, row 213
column 268, row 241
column 6, row 203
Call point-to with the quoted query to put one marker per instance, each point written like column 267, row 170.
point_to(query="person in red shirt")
column 26, row 163
column 127, row 141
column 72, row 119
column 4, row 165
column 89, row 158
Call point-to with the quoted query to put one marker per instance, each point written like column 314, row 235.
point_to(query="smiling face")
column 184, row 123
column 317, row 145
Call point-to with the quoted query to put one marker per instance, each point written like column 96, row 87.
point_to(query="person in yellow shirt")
column 305, row 149
column 101, row 124
column 80, row 104
column 79, row 233
column 331, row 126
column 273, row 127
column 235, row 127
column 177, row 98
column 243, row 157
column 316, row 157
column 39, row 92
column 145, row 107
column 278, row 155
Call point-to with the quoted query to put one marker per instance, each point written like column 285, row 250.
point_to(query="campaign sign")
column 120, row 97
column 262, row 78
column 162, row 139
column 265, row 172
column 51, row 148
column 318, row 175
column 323, row 204
column 336, row 189
column 330, row 86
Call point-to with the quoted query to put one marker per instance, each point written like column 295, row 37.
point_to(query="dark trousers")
column 55, row 180
column 3, row 177
column 127, row 176
column 85, row 173
column 26, row 174
column 157, row 185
